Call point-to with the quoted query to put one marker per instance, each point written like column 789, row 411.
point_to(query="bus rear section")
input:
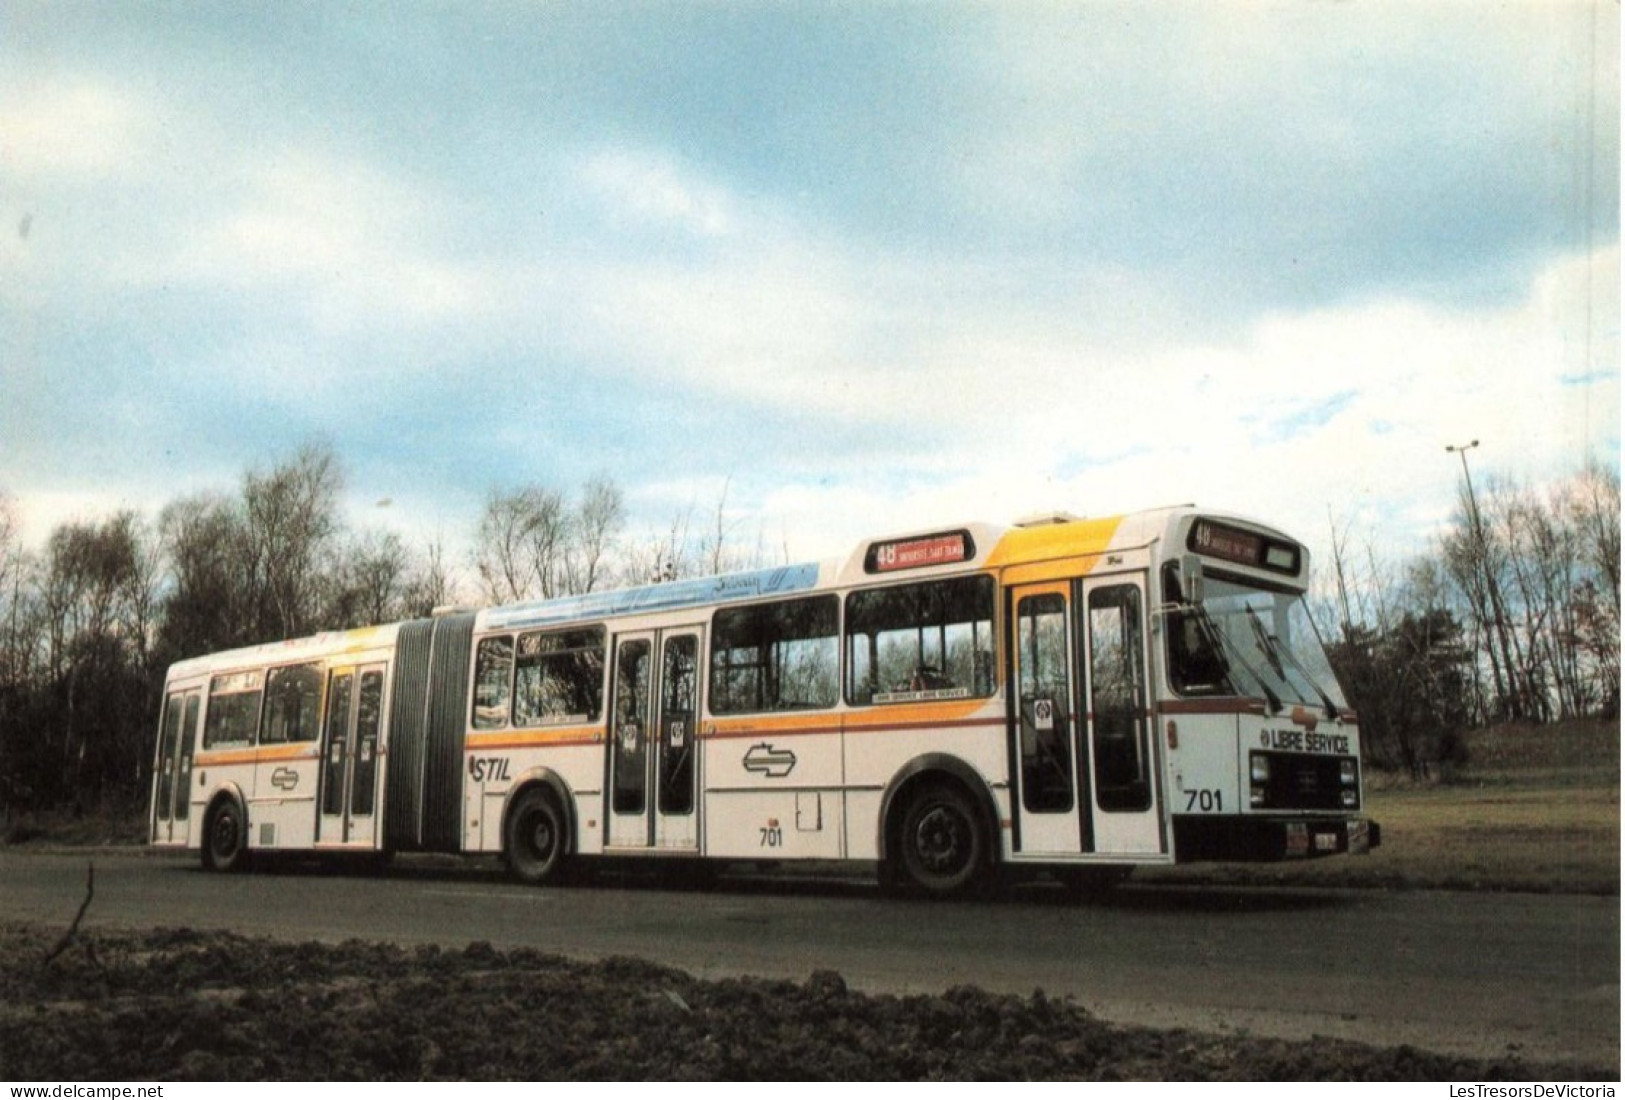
column 277, row 747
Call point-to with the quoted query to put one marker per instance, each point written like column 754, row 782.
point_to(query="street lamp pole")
column 1472, row 501
column 1481, row 555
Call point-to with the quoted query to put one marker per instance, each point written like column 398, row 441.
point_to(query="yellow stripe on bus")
column 1084, row 538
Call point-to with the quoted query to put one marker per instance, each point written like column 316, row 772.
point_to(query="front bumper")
column 1266, row 839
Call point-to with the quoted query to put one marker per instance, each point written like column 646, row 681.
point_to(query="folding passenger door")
column 1121, row 751
column 172, row 773
column 350, row 746
column 1051, row 817
column 654, row 748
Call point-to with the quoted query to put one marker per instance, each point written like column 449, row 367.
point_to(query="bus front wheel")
column 225, row 837
column 537, row 838
column 942, row 847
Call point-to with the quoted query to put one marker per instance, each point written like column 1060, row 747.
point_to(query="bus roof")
column 917, row 553
column 324, row 644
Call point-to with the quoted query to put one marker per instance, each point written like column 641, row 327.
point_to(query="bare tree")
column 209, row 589
column 17, row 640
column 532, row 544
column 430, row 584
column 518, row 550
column 371, row 583
column 292, row 522
column 678, row 554
column 1477, row 559
column 598, row 522
column 657, row 559
column 97, row 593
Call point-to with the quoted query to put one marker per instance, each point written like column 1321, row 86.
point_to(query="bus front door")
column 350, row 771
column 654, row 750
column 1049, row 771
column 1084, row 776
column 1121, row 751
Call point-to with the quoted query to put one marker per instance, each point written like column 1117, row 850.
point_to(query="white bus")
column 1077, row 696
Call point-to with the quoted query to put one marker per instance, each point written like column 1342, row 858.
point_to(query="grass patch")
column 1534, row 808
column 101, row 827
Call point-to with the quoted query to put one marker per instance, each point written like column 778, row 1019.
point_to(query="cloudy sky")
column 870, row 266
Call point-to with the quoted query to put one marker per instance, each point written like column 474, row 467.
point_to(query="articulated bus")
column 1071, row 696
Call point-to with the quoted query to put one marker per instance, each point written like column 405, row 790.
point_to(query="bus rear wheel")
column 225, row 837
column 537, row 838
column 942, row 846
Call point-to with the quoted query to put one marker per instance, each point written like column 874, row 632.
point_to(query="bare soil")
column 176, row 1005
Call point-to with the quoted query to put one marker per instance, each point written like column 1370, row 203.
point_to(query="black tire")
column 537, row 838
column 225, row 837
column 942, row 845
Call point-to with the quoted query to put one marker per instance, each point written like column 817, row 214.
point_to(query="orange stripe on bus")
column 770, row 730
column 518, row 739
column 301, row 751
column 949, row 724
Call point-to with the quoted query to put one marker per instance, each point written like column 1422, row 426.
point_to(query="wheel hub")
column 941, row 840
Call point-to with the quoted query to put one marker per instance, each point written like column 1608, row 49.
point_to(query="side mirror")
column 1190, row 578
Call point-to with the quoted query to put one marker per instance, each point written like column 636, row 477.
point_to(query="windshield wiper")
column 1281, row 655
column 1235, row 650
column 1266, row 643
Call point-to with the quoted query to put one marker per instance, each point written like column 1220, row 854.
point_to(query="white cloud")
column 1331, row 416
column 1061, row 367
column 71, row 129
column 776, row 317
column 648, row 188
column 353, row 249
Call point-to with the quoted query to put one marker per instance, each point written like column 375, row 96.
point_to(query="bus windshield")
column 1250, row 641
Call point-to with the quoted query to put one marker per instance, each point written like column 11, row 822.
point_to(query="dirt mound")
column 181, row 1005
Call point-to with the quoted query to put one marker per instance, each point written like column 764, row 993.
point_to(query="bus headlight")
column 1348, row 773
column 1351, row 799
column 1259, row 796
column 1260, row 767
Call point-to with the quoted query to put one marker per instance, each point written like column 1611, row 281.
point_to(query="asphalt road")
column 1479, row 974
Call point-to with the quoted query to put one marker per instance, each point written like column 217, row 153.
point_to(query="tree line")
column 1513, row 616
column 90, row 622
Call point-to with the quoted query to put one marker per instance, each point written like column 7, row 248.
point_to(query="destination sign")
column 919, row 553
column 1216, row 540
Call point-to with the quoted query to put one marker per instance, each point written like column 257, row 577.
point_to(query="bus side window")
column 293, row 698
column 560, row 677
column 931, row 639
column 778, row 656
column 493, row 682
column 1195, row 667
column 234, row 709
